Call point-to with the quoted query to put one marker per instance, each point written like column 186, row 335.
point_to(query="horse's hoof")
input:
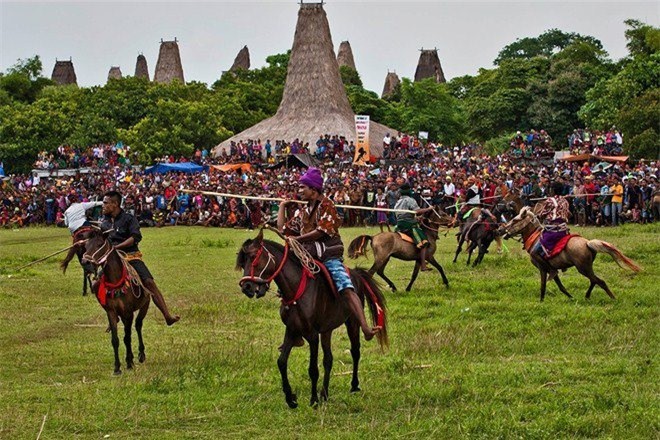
column 292, row 402
column 355, row 389
column 324, row 395
column 408, row 289
column 129, row 366
column 142, row 357
column 117, row 373
column 314, row 403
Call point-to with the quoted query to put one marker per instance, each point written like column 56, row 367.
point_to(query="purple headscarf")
column 313, row 179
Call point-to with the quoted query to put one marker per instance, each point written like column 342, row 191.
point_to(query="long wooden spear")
column 278, row 199
column 46, row 257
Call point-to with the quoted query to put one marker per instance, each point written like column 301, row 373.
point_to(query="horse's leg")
column 544, row 280
column 381, row 271
column 353, row 330
column 461, row 240
column 561, row 286
column 589, row 273
column 313, row 369
column 471, row 248
column 435, row 264
column 498, row 241
column 282, row 362
column 127, row 320
column 482, row 251
column 112, row 321
column 138, row 328
column 327, row 362
column 414, row 276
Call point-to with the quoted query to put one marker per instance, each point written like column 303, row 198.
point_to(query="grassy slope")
column 483, row 359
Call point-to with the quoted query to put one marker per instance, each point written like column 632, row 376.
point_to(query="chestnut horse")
column 310, row 308
column 78, row 250
column 390, row 244
column 120, row 293
column 579, row 252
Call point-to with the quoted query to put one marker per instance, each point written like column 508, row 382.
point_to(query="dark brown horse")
column 89, row 272
column 119, row 292
column 579, row 252
column 390, row 244
column 310, row 309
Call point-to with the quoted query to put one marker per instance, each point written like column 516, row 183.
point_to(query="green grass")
column 482, row 359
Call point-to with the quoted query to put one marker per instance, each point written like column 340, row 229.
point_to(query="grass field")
column 482, row 359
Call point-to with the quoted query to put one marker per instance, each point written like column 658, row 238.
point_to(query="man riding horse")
column 407, row 223
column 124, row 234
column 554, row 213
column 316, row 227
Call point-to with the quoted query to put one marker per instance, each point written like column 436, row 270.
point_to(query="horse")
column 309, row 307
column 578, row 252
column 386, row 245
column 78, row 250
column 481, row 232
column 120, row 293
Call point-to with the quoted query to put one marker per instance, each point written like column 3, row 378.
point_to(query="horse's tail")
column 358, row 246
column 617, row 255
column 368, row 288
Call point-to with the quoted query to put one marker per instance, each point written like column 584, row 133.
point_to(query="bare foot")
column 369, row 334
column 299, row 342
column 172, row 319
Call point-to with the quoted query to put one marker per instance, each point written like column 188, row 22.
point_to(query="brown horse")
column 310, row 309
column 120, row 293
column 579, row 252
column 390, row 244
column 78, row 250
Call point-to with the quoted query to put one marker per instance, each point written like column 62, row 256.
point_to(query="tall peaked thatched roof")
column 391, row 81
column 141, row 69
column 168, row 67
column 429, row 66
column 242, row 60
column 114, row 73
column 64, row 73
column 345, row 55
column 314, row 101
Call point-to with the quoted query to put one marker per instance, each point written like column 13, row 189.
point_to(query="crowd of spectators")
column 599, row 194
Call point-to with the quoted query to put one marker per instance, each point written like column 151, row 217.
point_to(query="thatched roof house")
column 141, row 69
column 242, row 60
column 391, row 82
column 168, row 67
column 314, row 101
column 429, row 66
column 345, row 55
column 64, row 73
column 114, row 73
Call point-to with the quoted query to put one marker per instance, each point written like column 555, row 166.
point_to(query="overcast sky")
column 383, row 34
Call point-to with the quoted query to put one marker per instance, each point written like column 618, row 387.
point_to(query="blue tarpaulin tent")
column 184, row 167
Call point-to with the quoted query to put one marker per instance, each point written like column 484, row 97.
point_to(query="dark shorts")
column 141, row 269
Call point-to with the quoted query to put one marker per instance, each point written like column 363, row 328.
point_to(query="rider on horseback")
column 316, row 227
column 125, row 235
column 407, row 222
column 554, row 213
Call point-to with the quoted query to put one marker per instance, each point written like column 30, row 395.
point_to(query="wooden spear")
column 278, row 199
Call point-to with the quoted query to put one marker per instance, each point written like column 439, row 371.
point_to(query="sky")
column 384, row 35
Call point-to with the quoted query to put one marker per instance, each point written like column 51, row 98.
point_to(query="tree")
column 350, row 76
column 23, row 81
column 547, row 44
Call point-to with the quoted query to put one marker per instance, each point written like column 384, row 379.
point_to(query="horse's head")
column 259, row 267
column 436, row 218
column 518, row 223
column 97, row 247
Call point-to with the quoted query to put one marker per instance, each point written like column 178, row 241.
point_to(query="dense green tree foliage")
column 557, row 81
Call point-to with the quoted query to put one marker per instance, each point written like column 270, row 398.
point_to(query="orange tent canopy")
column 233, row 167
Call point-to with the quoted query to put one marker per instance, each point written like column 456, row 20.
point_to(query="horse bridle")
column 271, row 259
column 107, row 248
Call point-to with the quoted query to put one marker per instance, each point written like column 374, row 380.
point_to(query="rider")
column 554, row 213
column 407, row 222
column 125, row 236
column 316, row 226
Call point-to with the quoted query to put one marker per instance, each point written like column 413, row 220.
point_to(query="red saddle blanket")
column 561, row 244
